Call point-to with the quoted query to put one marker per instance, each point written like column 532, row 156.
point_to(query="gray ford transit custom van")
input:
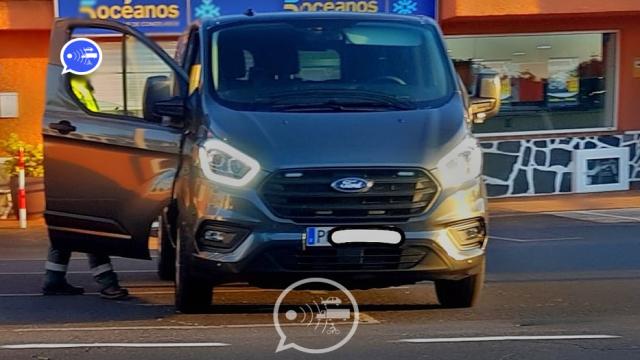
column 274, row 147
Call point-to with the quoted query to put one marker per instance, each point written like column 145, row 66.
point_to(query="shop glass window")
column 550, row 82
column 117, row 86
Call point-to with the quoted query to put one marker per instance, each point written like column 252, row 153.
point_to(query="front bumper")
column 273, row 254
column 276, row 260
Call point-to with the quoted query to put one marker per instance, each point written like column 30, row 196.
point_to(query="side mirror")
column 159, row 104
column 172, row 108
column 486, row 103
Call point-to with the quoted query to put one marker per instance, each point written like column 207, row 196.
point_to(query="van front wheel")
column 193, row 295
column 461, row 293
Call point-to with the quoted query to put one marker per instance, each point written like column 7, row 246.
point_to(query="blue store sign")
column 172, row 16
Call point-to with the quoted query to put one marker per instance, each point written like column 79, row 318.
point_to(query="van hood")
column 279, row 140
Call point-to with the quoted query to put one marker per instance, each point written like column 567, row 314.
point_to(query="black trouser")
column 101, row 268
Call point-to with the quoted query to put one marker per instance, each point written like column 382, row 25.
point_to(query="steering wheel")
column 388, row 79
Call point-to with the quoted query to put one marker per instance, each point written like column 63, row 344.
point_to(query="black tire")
column 193, row 295
column 463, row 293
column 167, row 252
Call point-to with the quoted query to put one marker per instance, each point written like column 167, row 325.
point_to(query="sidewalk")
column 568, row 202
column 16, row 243
column 12, row 224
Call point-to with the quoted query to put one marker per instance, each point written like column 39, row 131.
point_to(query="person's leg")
column 55, row 282
column 102, row 271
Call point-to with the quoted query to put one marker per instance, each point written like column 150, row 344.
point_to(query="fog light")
column 469, row 234
column 218, row 236
column 215, row 237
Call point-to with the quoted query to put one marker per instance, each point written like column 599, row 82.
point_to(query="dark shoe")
column 61, row 288
column 114, row 292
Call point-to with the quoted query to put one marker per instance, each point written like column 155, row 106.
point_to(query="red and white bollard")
column 22, row 194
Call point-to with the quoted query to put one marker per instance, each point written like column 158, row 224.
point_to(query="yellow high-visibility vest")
column 83, row 92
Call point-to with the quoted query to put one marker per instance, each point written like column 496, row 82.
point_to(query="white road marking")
column 139, row 328
column 196, row 327
column 33, row 295
column 151, row 292
column 363, row 319
column 608, row 216
column 39, row 259
column 505, row 338
column 111, row 345
column 77, row 272
column 72, row 258
column 218, row 291
column 600, row 213
column 90, row 293
column 508, row 215
column 533, row 240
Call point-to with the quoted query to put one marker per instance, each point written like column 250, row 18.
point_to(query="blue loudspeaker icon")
column 80, row 56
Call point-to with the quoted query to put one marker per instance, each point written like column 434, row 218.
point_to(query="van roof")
column 288, row 15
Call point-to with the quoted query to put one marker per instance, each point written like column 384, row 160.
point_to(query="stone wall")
column 545, row 166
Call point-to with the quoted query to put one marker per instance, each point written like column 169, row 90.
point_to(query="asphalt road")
column 560, row 286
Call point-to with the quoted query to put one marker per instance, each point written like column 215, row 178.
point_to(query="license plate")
column 318, row 236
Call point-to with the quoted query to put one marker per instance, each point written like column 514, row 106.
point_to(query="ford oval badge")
column 352, row 185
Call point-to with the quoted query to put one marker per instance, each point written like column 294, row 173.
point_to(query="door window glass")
column 117, row 87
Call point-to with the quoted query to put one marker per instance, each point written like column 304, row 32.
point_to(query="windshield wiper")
column 332, row 105
column 338, row 100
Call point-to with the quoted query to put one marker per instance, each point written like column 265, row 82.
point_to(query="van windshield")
column 329, row 65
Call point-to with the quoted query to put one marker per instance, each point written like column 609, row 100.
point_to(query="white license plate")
column 318, row 236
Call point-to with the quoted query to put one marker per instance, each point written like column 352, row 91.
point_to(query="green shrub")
column 33, row 157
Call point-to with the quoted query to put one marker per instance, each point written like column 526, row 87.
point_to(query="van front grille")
column 352, row 258
column 306, row 195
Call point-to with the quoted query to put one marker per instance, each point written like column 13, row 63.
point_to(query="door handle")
column 63, row 127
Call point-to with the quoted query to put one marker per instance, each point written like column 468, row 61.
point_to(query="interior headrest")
column 232, row 62
column 286, row 62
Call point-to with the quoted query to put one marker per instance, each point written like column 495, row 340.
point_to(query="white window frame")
column 580, row 159
column 616, row 87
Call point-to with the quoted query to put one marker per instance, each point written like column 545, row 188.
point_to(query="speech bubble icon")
column 80, row 56
column 291, row 315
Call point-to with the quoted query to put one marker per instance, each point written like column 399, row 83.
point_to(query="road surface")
column 560, row 286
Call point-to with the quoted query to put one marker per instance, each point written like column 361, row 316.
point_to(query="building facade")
column 570, row 74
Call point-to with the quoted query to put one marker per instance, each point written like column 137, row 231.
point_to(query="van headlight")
column 462, row 164
column 225, row 164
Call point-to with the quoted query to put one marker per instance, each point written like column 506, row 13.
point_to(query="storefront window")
column 551, row 82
